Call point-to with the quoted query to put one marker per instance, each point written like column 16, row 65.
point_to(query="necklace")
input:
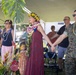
column 74, row 27
column 5, row 35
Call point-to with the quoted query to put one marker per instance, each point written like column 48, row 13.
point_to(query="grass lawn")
column 49, row 71
column 52, row 70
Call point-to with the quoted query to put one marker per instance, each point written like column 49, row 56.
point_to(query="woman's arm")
column 1, row 39
column 1, row 42
column 12, row 34
column 13, row 43
column 40, row 29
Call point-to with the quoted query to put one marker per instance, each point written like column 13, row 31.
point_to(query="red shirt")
column 50, row 35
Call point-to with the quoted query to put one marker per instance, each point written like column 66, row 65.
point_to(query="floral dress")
column 22, row 62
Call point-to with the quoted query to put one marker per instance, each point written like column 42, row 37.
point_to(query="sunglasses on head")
column 74, row 15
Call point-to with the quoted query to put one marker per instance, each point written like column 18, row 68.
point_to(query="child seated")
column 22, row 58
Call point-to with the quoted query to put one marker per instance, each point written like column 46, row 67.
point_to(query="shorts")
column 61, row 51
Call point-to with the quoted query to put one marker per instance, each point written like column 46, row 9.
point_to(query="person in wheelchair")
column 51, row 55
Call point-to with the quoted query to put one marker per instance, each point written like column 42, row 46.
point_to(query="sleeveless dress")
column 35, row 63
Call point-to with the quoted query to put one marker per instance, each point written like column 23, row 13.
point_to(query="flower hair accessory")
column 35, row 16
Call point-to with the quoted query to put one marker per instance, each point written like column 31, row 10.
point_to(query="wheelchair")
column 52, row 56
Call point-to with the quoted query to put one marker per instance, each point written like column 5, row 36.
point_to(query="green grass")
column 49, row 71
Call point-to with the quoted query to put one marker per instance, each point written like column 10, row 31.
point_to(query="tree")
column 14, row 9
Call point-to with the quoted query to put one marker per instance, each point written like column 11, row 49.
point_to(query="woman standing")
column 35, row 63
column 7, row 39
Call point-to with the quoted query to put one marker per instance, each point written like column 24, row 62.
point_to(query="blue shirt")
column 7, row 38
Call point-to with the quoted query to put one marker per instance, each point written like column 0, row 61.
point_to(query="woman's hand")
column 13, row 44
column 52, row 48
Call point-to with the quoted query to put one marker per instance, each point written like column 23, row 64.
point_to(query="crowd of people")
column 64, row 39
column 70, row 59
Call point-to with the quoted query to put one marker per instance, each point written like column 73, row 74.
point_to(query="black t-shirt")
column 65, row 42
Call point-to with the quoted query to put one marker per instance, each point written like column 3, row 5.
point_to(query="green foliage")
column 14, row 9
column 29, row 39
column 2, row 69
column 1, row 20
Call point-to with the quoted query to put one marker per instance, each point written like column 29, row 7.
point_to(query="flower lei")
column 30, row 31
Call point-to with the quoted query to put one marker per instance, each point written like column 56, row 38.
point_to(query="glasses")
column 6, row 23
column 65, row 19
column 74, row 15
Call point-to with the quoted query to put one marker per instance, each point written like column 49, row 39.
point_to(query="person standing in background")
column 50, row 35
column 7, row 40
column 64, row 44
column 24, row 35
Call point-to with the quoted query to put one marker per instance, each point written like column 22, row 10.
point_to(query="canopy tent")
column 48, row 10
column 52, row 10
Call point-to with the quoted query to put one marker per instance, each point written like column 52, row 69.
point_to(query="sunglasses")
column 74, row 15
column 65, row 19
column 6, row 23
